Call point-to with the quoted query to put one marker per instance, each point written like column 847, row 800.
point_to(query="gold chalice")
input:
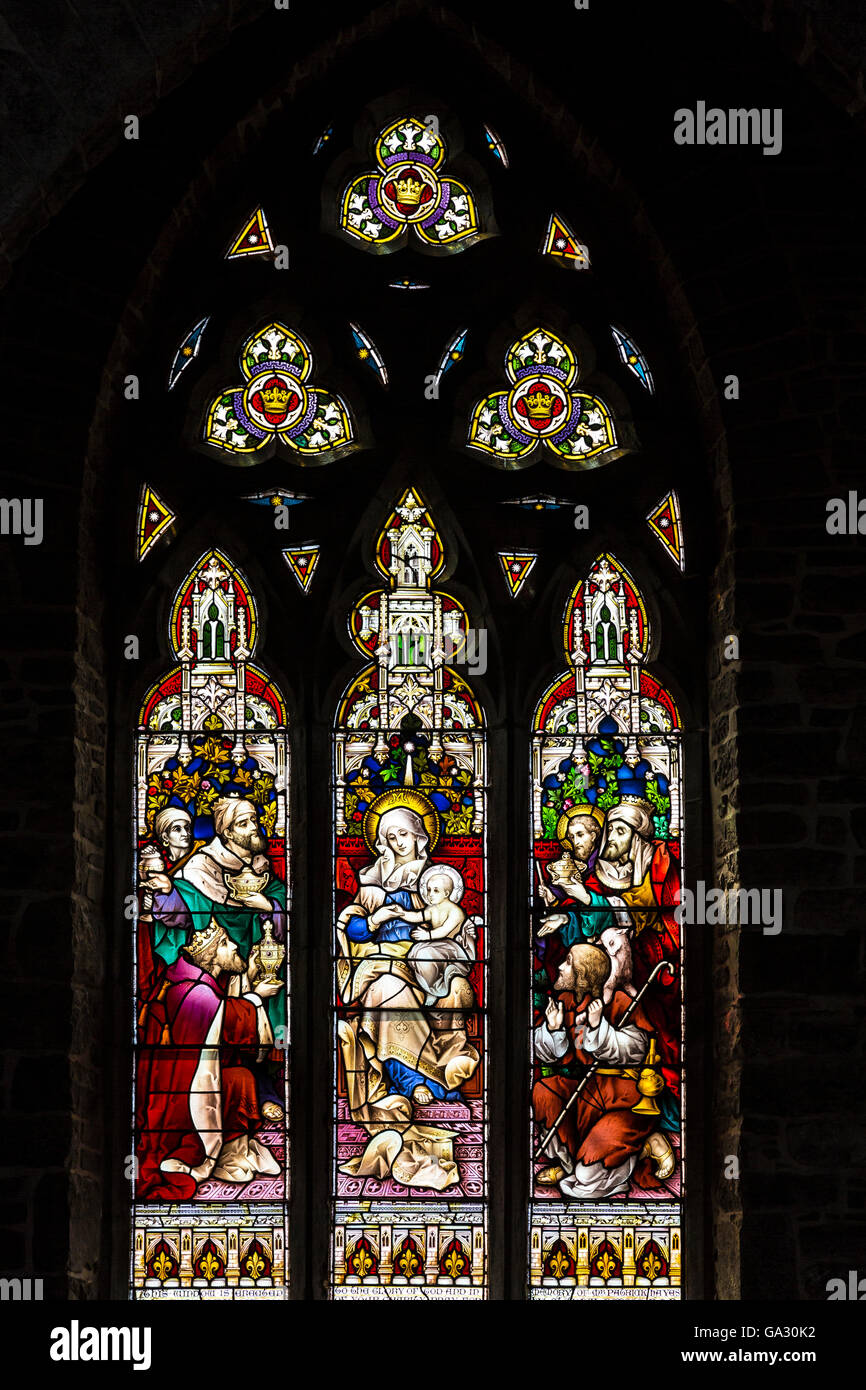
column 243, row 884
column 268, row 956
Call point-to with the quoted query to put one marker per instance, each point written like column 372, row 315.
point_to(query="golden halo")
column 582, row 808
column 411, row 800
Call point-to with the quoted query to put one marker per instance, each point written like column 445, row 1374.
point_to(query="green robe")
column 585, row 922
column 243, row 925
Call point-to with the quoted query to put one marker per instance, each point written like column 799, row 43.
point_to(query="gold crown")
column 409, row 190
column 538, row 404
column 275, row 397
column 200, row 939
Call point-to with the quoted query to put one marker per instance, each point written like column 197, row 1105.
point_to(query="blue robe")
column 402, row 1079
column 358, row 927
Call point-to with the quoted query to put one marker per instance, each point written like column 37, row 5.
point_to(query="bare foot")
column 422, row 1095
column 661, row 1153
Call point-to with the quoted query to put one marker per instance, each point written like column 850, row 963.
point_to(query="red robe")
column 601, row 1126
column 656, row 942
column 174, row 1023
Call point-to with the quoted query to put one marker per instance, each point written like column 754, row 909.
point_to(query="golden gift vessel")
column 245, row 883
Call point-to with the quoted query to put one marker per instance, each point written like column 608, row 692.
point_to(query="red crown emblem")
column 274, row 400
column 409, row 191
column 539, row 406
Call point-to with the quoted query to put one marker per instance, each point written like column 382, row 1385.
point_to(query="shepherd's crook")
column 662, row 965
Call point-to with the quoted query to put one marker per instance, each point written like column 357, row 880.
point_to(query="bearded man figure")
column 644, row 873
column 197, row 1105
column 218, row 884
column 586, row 911
column 601, row 1145
column 210, row 885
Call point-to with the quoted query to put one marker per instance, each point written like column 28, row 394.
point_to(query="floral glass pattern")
column 406, row 193
column 279, row 402
column 409, row 1194
column 541, row 409
column 606, row 1035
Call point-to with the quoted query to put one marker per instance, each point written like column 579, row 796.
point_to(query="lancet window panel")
column 606, row 1031
column 409, row 1189
column 211, row 1037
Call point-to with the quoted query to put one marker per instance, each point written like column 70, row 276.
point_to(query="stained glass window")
column 634, row 359
column 368, row 352
column 253, row 239
column 517, row 565
column 561, row 243
column 541, row 408
column 154, row 520
column 406, row 196
column 302, row 561
column 405, row 1196
column 188, row 350
column 410, row 940
column 607, row 1103
column 495, row 146
column 323, row 139
column 277, row 497
column 665, row 522
column 539, row 502
column 278, row 402
column 211, row 945
column 451, row 353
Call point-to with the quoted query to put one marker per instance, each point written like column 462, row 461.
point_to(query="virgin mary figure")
column 371, row 928
column 398, row 1056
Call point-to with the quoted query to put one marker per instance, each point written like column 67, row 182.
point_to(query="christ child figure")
column 441, row 888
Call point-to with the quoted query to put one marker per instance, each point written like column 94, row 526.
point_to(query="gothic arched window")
column 210, row 943
column 411, row 928
column 361, row 395
column 607, row 1103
